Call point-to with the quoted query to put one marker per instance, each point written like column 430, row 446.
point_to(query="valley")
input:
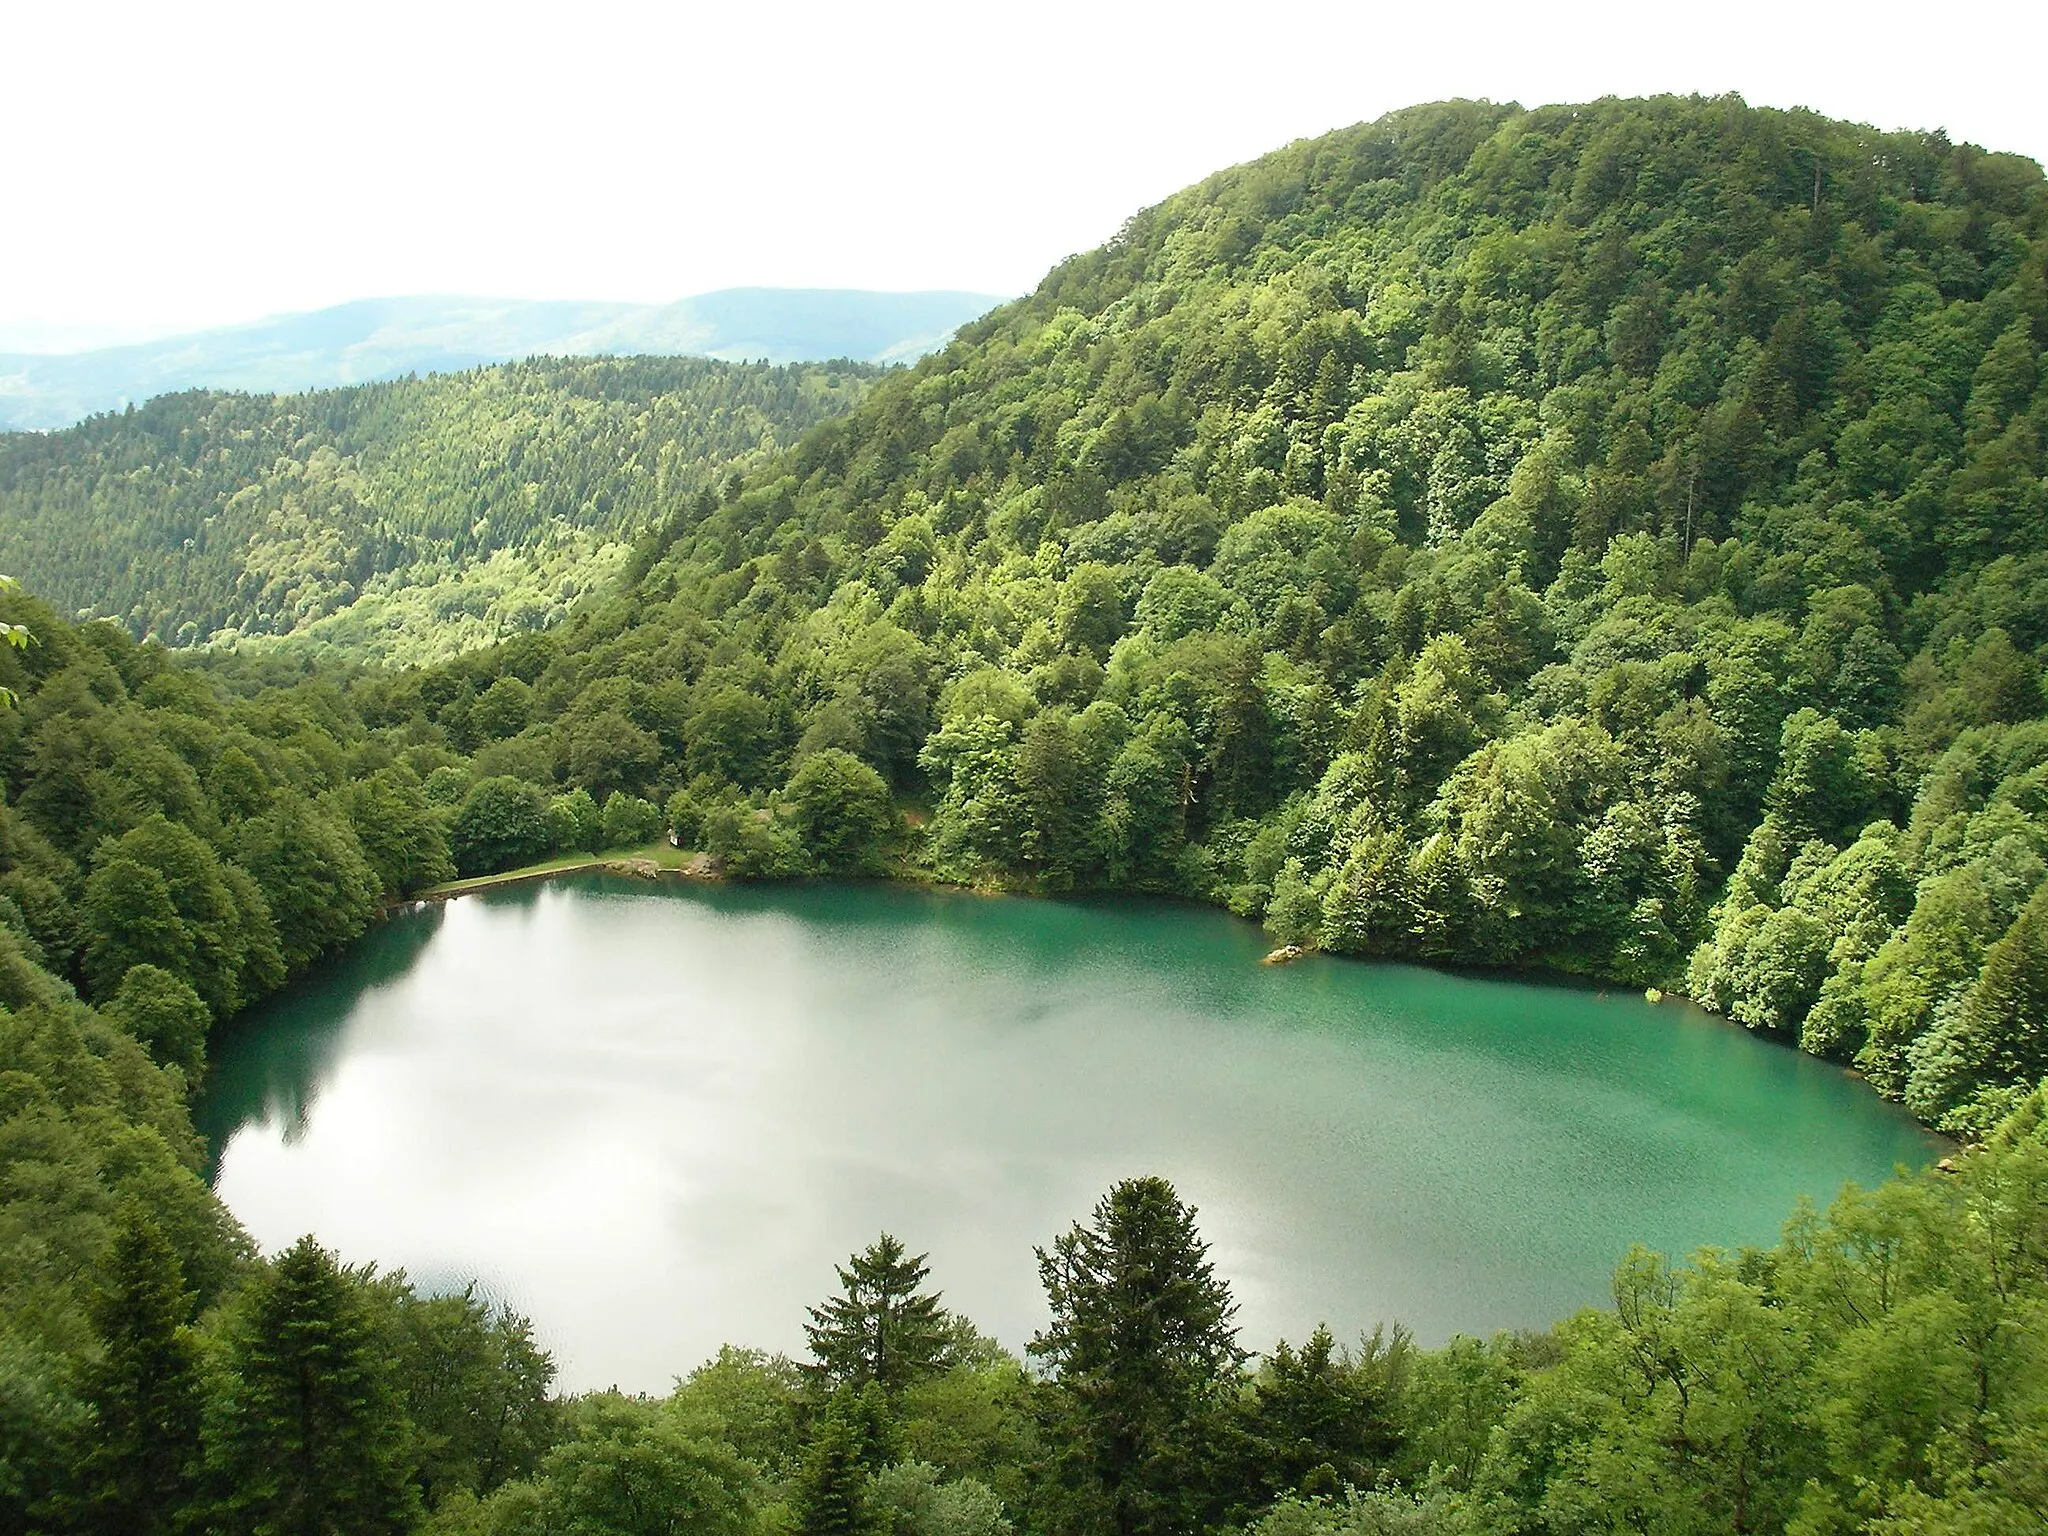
column 1525, row 559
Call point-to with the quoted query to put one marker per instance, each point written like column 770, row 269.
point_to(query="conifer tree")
column 137, row 1476
column 1991, row 1037
column 882, row 1328
column 2007, row 1007
column 309, row 1435
column 1141, row 1345
column 855, row 1439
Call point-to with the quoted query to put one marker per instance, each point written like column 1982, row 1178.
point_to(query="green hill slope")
column 1474, row 535
column 409, row 519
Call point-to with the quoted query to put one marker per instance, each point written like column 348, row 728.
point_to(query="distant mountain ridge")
column 373, row 339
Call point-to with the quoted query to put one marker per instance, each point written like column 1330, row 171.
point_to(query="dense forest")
column 1600, row 538
column 406, row 520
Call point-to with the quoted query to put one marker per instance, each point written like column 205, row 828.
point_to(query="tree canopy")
column 408, row 519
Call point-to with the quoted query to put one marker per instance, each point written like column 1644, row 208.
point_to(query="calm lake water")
column 653, row 1118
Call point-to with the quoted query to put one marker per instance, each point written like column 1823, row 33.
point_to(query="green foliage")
column 403, row 841
column 832, row 1490
column 503, row 823
column 1597, row 537
column 732, row 738
column 751, row 844
column 475, row 1387
column 1473, row 536
column 574, row 821
column 1819, row 1386
column 628, row 1469
column 88, row 1125
column 41, row 1423
column 1881, row 951
column 1319, row 1420
column 840, row 809
column 684, row 814
column 883, row 1327
column 208, row 908
column 1987, row 1045
column 141, row 1462
column 134, row 924
column 611, row 754
column 1140, row 1345
column 908, row 1499
column 165, row 1015
column 977, row 1420
column 1381, row 1512
column 628, row 821
column 746, row 1399
column 314, row 878
column 306, row 1432
column 411, row 519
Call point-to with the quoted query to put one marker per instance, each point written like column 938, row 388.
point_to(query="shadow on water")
column 1039, row 933
column 260, row 1073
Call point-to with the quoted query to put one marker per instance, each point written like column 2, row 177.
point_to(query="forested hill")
column 409, row 519
column 1575, row 537
column 1605, row 537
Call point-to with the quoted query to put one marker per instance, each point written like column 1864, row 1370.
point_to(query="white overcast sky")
column 169, row 166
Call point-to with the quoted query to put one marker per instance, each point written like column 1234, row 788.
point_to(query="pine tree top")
column 883, row 1327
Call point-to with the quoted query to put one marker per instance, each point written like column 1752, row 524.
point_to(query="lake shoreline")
column 663, row 865
column 645, row 863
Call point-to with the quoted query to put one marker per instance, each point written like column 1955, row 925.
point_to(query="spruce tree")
column 852, row 1442
column 1141, row 1348
column 310, row 1435
column 137, row 1476
column 2005, row 1011
column 1991, row 1037
column 882, row 1327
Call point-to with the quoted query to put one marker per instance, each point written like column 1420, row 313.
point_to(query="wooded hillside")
column 407, row 520
column 1602, row 537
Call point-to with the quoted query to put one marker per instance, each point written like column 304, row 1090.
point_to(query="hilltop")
column 1602, row 537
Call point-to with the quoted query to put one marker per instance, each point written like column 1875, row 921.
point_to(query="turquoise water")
column 653, row 1117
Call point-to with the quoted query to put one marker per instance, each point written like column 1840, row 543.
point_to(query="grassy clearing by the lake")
column 659, row 854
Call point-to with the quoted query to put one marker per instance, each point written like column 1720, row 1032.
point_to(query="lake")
column 653, row 1117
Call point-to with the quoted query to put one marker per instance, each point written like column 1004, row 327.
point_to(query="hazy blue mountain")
column 375, row 339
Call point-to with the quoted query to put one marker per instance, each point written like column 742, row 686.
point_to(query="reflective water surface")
column 652, row 1118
